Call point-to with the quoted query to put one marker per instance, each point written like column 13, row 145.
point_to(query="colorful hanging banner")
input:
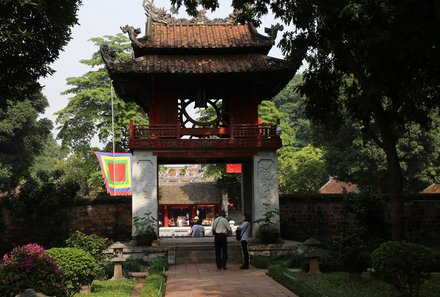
column 233, row 168
column 116, row 171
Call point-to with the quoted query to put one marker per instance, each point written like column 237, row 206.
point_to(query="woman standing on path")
column 244, row 229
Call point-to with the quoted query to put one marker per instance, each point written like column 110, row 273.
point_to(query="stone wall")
column 323, row 216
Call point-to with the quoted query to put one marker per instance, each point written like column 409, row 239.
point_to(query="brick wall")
column 106, row 217
column 301, row 217
column 304, row 217
column 323, row 216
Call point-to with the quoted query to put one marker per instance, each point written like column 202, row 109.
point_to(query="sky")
column 98, row 18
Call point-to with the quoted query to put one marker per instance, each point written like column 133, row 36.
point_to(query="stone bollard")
column 31, row 293
column 312, row 245
column 118, row 251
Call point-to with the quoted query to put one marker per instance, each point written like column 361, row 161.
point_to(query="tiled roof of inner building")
column 202, row 36
column 190, row 193
column 200, row 64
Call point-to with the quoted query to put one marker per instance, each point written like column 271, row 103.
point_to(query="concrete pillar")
column 145, row 184
column 247, row 188
column 265, row 186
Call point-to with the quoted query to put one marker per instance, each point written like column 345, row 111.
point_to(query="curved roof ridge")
column 162, row 16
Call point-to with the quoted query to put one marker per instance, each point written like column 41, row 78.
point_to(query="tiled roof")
column 190, row 193
column 199, row 64
column 196, row 36
column 336, row 187
column 434, row 188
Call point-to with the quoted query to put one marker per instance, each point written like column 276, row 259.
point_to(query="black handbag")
column 238, row 233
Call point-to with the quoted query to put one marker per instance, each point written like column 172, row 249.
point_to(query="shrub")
column 30, row 266
column 276, row 271
column 79, row 267
column 263, row 262
column 404, row 265
column 329, row 261
column 94, row 245
column 297, row 260
column 158, row 266
column 352, row 248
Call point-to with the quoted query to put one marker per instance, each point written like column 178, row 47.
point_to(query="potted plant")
column 268, row 225
column 144, row 229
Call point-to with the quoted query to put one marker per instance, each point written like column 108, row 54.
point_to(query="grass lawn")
column 109, row 288
column 336, row 285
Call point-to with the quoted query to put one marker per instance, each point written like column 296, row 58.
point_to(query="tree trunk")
column 389, row 144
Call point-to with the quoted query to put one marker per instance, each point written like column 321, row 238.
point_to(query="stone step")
column 204, row 254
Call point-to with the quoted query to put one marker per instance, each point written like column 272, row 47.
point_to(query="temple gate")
column 181, row 66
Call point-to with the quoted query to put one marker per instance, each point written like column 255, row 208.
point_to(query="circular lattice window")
column 196, row 114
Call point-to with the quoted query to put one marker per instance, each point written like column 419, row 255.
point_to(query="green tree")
column 353, row 157
column 269, row 113
column 31, row 35
column 303, row 170
column 88, row 112
column 41, row 203
column 82, row 167
column 373, row 61
column 302, row 166
column 79, row 168
column 21, row 137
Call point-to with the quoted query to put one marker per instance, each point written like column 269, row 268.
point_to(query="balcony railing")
column 173, row 136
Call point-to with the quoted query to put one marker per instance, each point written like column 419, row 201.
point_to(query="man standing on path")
column 220, row 230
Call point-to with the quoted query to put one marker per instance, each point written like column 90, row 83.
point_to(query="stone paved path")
column 199, row 280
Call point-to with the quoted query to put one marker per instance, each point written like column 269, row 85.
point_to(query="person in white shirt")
column 220, row 230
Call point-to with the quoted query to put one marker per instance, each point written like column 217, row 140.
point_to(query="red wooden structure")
column 215, row 68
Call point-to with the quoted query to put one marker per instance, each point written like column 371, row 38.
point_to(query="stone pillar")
column 265, row 185
column 145, row 181
column 247, row 190
column 225, row 203
column 117, row 270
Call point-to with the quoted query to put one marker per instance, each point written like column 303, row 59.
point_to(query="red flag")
column 233, row 168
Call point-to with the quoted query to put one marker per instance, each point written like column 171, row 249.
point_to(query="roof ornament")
column 159, row 15
column 273, row 31
column 108, row 55
column 162, row 16
column 201, row 17
column 132, row 33
column 148, row 7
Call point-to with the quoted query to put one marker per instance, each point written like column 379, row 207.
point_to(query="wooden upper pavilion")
column 182, row 65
